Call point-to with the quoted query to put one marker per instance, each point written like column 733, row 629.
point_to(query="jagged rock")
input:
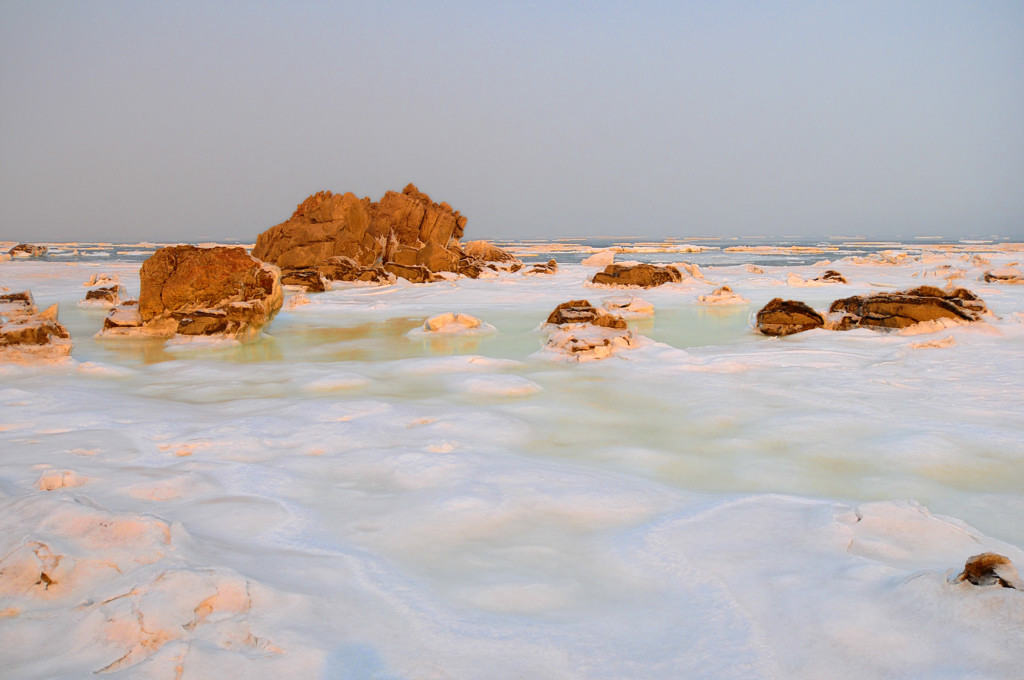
column 27, row 250
column 906, row 308
column 108, row 296
column 549, row 267
column 13, row 305
column 29, row 337
column 202, row 291
column 785, row 317
column 722, row 296
column 311, row 279
column 831, row 276
column 988, row 569
column 122, row 319
column 581, row 311
column 102, row 280
column 642, row 275
column 406, row 229
column 1006, row 275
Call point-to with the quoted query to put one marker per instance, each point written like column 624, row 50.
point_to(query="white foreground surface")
column 345, row 499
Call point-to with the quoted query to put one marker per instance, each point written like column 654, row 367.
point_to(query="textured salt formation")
column 578, row 331
column 627, row 306
column 601, row 258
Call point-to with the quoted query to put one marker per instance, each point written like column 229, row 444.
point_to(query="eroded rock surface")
column 578, row 331
column 786, row 317
column 990, row 569
column 402, row 234
column 906, row 308
column 28, row 335
column 188, row 290
column 27, row 250
column 639, row 275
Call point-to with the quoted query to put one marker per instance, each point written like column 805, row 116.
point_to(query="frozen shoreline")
column 348, row 500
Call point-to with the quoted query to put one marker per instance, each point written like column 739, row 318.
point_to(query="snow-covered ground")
column 345, row 498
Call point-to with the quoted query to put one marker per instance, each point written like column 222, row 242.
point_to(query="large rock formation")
column 906, row 308
column 26, row 334
column 641, row 275
column 200, row 291
column 405, row 230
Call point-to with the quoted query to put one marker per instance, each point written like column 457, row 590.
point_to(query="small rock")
column 581, row 311
column 640, row 275
column 309, row 279
column 988, row 569
column 786, row 317
column 1007, row 275
column 723, row 296
column 550, row 267
column 27, row 250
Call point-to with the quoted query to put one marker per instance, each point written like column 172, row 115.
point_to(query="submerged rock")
column 722, row 296
column 989, row 569
column 200, row 291
column 108, row 296
column 641, row 275
column 27, row 250
column 549, row 267
column 906, row 308
column 786, row 317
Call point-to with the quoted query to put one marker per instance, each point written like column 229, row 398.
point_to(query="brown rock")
column 17, row 304
column 581, row 311
column 311, row 279
column 437, row 258
column 785, row 317
column 642, row 275
column 906, row 308
column 831, row 276
column 190, row 290
column 27, row 337
column 550, row 267
column 415, row 273
column 27, row 250
column 342, row 268
column 110, row 295
column 1007, row 275
column 488, row 252
column 988, row 569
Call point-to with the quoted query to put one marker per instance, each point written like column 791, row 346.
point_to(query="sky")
column 186, row 121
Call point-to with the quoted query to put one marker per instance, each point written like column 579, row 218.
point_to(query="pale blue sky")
column 201, row 120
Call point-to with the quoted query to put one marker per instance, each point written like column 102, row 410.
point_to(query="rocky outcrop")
column 27, row 250
column 407, row 230
column 187, row 290
column 785, row 317
column 581, row 311
column 27, row 335
column 342, row 268
column 628, row 307
column 831, row 276
column 637, row 275
column 906, row 308
column 486, row 252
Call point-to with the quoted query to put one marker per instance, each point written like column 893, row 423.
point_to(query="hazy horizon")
column 204, row 121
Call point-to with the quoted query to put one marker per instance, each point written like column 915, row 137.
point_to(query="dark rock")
column 642, row 275
column 110, row 295
column 1008, row 275
column 311, row 279
column 831, row 276
column 27, row 250
column 29, row 337
column 17, row 304
column 785, row 317
column 550, row 267
column 415, row 273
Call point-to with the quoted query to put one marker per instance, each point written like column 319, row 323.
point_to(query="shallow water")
column 401, row 506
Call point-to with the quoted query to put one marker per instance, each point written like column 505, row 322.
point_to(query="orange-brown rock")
column 581, row 311
column 35, row 336
column 989, row 569
column 405, row 228
column 201, row 291
column 488, row 252
column 414, row 273
column 641, row 275
column 310, row 279
column 342, row 268
column 17, row 304
column 785, row 317
column 549, row 267
column 27, row 250
column 906, row 308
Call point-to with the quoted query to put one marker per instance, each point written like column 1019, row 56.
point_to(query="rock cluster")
column 880, row 310
column 579, row 331
column 638, row 275
column 26, row 334
column 1005, row 275
column 27, row 250
column 403, row 234
column 187, row 290
column 549, row 267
